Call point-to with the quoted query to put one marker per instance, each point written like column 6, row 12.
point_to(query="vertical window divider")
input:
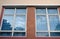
column 48, row 22
column 35, row 24
column 13, row 22
column 26, row 21
column 58, row 14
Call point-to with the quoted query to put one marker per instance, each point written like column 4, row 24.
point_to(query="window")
column 13, row 22
column 47, row 22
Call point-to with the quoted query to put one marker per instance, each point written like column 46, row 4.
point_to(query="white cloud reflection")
column 41, row 23
column 20, row 21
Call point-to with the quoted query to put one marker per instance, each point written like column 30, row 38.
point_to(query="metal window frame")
column 12, row 31
column 48, row 24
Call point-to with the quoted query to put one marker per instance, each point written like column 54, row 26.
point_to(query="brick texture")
column 1, row 14
column 31, row 23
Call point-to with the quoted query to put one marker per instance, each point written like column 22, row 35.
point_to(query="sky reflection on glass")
column 20, row 23
column 20, row 11
column 41, row 23
column 52, row 11
column 54, row 23
column 9, row 11
column 7, row 23
column 40, row 11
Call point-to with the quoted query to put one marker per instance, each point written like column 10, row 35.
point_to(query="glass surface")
column 41, row 22
column 7, row 23
column 5, row 34
column 52, row 11
column 19, row 33
column 54, row 23
column 9, row 11
column 40, row 11
column 55, row 33
column 20, row 23
column 20, row 11
column 42, row 34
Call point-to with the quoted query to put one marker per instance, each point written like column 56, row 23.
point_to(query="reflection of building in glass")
column 6, row 25
column 14, row 24
column 57, row 26
column 19, row 28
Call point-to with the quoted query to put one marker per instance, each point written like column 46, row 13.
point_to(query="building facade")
column 29, row 19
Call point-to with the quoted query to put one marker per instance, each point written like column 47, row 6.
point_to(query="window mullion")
column 26, row 23
column 48, row 22
column 13, row 22
column 58, row 14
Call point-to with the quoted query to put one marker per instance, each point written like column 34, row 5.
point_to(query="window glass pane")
column 19, row 33
column 20, row 23
column 54, row 23
column 20, row 11
column 52, row 11
column 55, row 33
column 41, row 11
column 9, row 11
column 7, row 23
column 41, row 23
column 5, row 34
column 42, row 34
